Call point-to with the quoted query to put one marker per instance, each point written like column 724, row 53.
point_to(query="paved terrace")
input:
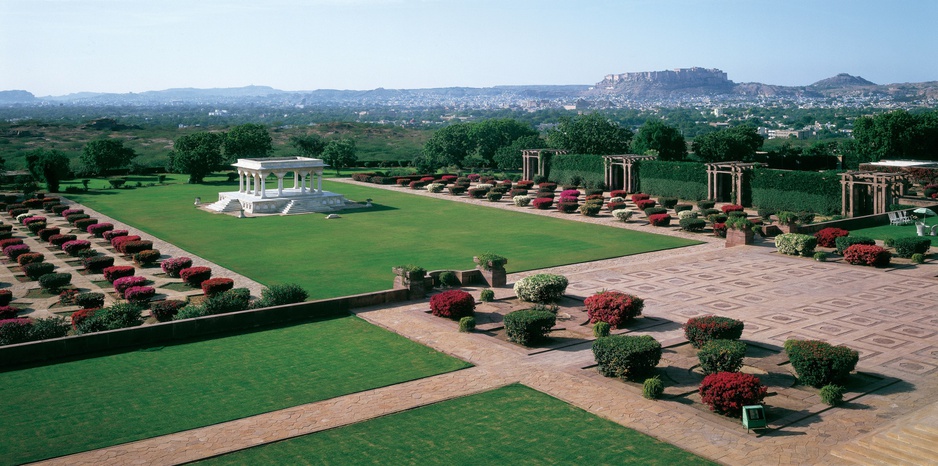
column 887, row 315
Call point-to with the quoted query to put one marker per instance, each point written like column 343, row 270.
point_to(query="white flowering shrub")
column 541, row 288
column 522, row 201
column 616, row 199
column 686, row 214
column 485, row 186
column 435, row 187
column 623, row 214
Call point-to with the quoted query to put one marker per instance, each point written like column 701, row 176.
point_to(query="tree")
column 509, row 157
column 897, row 134
column 247, row 141
column 737, row 143
column 340, row 153
column 97, row 157
column 666, row 140
column 310, row 145
column 197, row 154
column 49, row 166
column 590, row 134
column 491, row 135
column 449, row 145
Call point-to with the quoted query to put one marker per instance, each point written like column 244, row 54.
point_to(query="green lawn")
column 355, row 254
column 93, row 403
column 512, row 425
column 893, row 231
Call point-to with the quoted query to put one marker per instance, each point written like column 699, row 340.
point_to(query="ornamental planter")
column 416, row 282
column 493, row 272
column 736, row 237
column 788, row 227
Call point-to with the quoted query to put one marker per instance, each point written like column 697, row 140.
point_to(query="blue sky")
column 55, row 47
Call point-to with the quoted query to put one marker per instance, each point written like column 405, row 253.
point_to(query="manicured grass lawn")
column 355, row 254
column 512, row 425
column 894, row 231
column 93, row 403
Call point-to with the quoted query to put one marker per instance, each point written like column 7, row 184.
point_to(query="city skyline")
column 57, row 47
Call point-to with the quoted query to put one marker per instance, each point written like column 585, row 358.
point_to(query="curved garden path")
column 888, row 315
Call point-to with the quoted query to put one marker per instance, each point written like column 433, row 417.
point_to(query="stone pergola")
column 620, row 171
column 253, row 173
column 533, row 162
column 869, row 192
column 734, row 172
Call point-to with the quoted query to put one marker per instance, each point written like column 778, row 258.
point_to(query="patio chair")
column 903, row 218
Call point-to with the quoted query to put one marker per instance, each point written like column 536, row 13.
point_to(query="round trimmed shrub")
column 164, row 311
column 111, row 234
column 529, row 326
column 139, row 294
column 72, row 218
column 89, row 300
column 116, row 242
column 681, row 215
column 452, row 304
column 721, row 356
column 818, row 363
column 692, row 224
column 493, row 196
column 36, row 227
column 97, row 230
column 486, row 295
column 601, row 329
column 280, row 294
column 59, row 240
column 916, row 258
column 623, row 215
column 522, row 200
column 114, row 272
column 862, row 254
column 844, row 242
column 146, row 257
column 613, row 307
column 5, row 297
column 30, row 258
column 174, row 265
column 467, row 324
column 37, row 269
column 699, row 330
column 732, row 208
column 83, row 224
column 543, row 203
column 590, row 209
column 15, row 251
column 626, row 356
column 795, row 244
column 54, row 281
column 826, row 237
column 659, row 220
column 653, row 388
column 121, row 285
column 213, row 286
column 655, row 211
column 72, row 248
column 667, row 202
column 541, row 288
column 567, row 206
column 832, row 395
column 132, row 247
column 448, row 279
column 907, row 246
column 640, row 197
column 194, row 276
column 728, row 392
column 47, row 232
column 644, row 203
column 682, row 208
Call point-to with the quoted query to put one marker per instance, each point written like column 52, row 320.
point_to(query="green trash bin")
column 754, row 417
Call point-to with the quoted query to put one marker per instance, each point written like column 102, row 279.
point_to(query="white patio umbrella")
column 924, row 211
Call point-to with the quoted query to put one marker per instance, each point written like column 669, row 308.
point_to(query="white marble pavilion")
column 304, row 196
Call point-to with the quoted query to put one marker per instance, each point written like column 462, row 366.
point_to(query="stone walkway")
column 888, row 315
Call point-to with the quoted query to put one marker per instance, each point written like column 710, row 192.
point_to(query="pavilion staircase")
column 225, row 205
column 294, row 207
column 910, row 441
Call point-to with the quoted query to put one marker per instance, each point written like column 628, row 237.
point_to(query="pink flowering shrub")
column 116, row 242
column 732, row 208
column 173, row 265
column 97, row 230
column 139, row 294
column 73, row 247
column 67, row 212
column 47, row 233
column 121, row 285
column 109, row 235
column 542, row 203
column 15, row 251
column 114, row 272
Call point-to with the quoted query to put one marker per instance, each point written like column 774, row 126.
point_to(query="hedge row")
column 565, row 169
column 684, row 180
column 794, row 190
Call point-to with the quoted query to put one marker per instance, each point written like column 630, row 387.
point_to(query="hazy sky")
column 55, row 47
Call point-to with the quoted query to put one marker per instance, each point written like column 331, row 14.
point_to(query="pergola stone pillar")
column 620, row 171
column 737, row 171
column 882, row 188
column 534, row 161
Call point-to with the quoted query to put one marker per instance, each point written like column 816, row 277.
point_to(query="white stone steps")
column 898, row 449
column 876, row 455
column 861, row 459
column 916, row 437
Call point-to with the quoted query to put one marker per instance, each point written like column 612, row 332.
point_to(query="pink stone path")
column 888, row 315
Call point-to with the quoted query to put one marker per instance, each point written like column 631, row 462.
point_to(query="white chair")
column 893, row 218
column 903, row 218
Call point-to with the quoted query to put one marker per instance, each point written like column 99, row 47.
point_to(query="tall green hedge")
column 589, row 168
column 796, row 190
column 683, row 180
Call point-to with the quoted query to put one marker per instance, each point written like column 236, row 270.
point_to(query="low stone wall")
column 168, row 332
column 855, row 223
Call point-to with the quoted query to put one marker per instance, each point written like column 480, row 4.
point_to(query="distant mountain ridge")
column 667, row 87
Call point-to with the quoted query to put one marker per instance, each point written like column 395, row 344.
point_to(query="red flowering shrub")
column 862, row 254
column 618, row 193
column 542, row 203
column 567, row 205
column 164, row 311
column 81, row 315
column 194, row 276
column 615, row 206
column 59, row 240
column 147, row 256
column 474, row 177
column 173, row 265
column 640, row 197
column 699, row 330
column 613, row 307
column 133, row 247
column 404, row 181
column 213, row 286
column 74, row 246
column 547, row 186
column 9, row 242
column 14, row 331
column 67, row 212
column 728, row 392
column 719, row 230
column 525, row 184
column 121, row 285
column 826, row 238
column 47, row 233
column 453, row 304
column 109, row 235
column 659, row 220
column 416, row 184
column 29, row 258
column 644, row 203
column 5, row 297
column 84, row 223
column 8, row 312
column 139, row 294
column 116, row 241
column 15, row 251
column 574, row 193
column 33, row 203
column 118, row 271
column 732, row 208
column 591, row 197
column 38, row 218
column 448, row 178
column 96, row 264
column 97, row 230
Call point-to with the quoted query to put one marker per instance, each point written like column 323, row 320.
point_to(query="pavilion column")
column 257, row 183
column 303, row 183
column 296, row 179
column 263, row 185
column 843, row 197
column 240, row 181
column 319, row 182
column 280, row 183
